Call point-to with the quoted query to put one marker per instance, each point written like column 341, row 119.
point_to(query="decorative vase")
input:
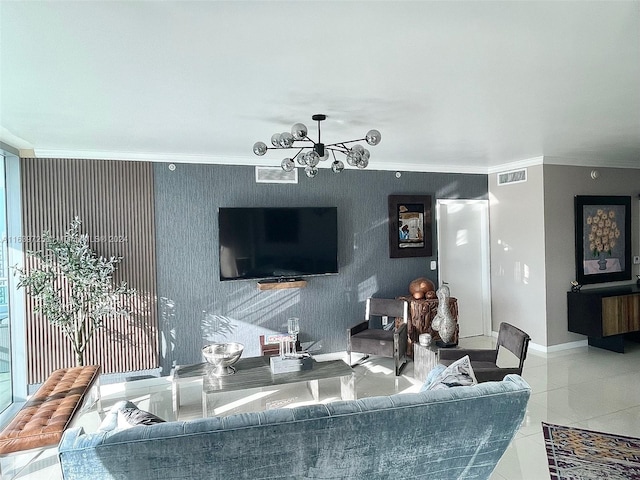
column 602, row 262
column 443, row 322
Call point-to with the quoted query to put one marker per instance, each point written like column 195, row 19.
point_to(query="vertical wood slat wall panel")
column 114, row 200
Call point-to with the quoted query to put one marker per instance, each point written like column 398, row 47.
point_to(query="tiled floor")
column 584, row 387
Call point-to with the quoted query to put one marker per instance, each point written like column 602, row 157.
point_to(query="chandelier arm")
column 299, row 152
column 342, row 144
column 337, row 148
column 292, row 146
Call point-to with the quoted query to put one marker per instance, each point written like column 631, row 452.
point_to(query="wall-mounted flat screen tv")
column 277, row 243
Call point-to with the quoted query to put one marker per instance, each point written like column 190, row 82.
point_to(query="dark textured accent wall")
column 114, row 200
column 195, row 308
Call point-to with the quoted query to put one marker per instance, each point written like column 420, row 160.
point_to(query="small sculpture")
column 443, row 322
column 420, row 287
column 575, row 286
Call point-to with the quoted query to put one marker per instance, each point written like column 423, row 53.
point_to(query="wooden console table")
column 421, row 313
column 605, row 315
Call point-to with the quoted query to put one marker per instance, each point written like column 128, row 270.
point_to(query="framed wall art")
column 410, row 226
column 603, row 238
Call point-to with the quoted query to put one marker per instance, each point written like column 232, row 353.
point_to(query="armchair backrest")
column 380, row 307
column 514, row 340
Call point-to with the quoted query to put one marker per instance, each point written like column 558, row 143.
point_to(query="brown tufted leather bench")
column 41, row 422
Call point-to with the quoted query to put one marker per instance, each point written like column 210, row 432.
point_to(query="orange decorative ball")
column 430, row 294
column 420, row 287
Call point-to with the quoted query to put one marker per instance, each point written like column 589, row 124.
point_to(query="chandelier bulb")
column 373, row 137
column 299, row 131
column 286, row 140
column 259, row 148
column 337, row 166
column 275, row 140
column 310, row 171
column 287, row 165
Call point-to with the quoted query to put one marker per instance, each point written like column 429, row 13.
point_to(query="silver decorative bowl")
column 222, row 356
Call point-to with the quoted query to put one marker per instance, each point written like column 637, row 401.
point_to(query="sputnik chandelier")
column 310, row 155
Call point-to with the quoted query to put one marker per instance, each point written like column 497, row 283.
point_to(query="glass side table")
column 424, row 360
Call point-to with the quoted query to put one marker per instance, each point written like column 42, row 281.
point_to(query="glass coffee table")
column 255, row 372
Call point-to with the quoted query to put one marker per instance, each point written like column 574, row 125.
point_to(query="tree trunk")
column 79, row 359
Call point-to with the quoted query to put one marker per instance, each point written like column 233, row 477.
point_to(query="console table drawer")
column 620, row 314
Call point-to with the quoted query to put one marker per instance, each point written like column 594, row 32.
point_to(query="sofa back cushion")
column 455, row 433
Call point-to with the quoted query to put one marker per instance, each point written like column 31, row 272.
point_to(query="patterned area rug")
column 576, row 454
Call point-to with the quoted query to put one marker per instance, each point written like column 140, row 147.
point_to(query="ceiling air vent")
column 514, row 176
column 276, row 175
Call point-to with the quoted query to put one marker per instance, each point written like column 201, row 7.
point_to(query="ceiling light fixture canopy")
column 310, row 155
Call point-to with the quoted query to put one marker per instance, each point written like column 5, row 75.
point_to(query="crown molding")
column 529, row 162
column 387, row 166
column 247, row 161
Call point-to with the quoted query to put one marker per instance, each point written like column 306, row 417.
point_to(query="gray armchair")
column 484, row 361
column 391, row 342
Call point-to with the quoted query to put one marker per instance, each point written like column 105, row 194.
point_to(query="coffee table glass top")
column 254, row 372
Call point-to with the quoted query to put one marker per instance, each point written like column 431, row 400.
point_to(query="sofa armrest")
column 478, row 355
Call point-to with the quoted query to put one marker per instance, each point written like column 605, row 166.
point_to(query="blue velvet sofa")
column 456, row 433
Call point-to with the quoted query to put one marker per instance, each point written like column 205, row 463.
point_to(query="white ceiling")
column 453, row 86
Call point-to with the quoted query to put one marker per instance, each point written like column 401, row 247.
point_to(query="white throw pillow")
column 458, row 374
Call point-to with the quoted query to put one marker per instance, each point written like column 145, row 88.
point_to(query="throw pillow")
column 458, row 374
column 131, row 417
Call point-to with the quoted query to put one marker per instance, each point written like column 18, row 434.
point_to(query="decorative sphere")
column 337, row 166
column 373, row 137
column 310, row 171
column 299, row 131
column 275, row 140
column 358, row 148
column 301, row 160
column 420, row 286
column 430, row 295
column 287, row 165
column 362, row 163
column 260, row 148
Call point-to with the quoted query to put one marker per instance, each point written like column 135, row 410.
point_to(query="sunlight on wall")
column 367, row 288
column 462, row 237
column 521, row 273
column 505, row 246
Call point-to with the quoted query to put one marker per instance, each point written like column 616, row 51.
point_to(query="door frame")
column 485, row 281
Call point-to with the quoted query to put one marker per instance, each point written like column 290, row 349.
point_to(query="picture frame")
column 410, row 220
column 602, row 238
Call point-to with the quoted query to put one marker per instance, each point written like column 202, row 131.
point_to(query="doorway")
column 463, row 261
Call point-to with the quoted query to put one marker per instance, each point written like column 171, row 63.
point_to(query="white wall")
column 517, row 254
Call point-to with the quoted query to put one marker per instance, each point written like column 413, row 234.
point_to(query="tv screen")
column 273, row 243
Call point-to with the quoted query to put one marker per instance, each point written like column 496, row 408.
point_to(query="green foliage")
column 73, row 287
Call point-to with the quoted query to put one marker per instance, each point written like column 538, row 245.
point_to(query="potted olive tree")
column 73, row 287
